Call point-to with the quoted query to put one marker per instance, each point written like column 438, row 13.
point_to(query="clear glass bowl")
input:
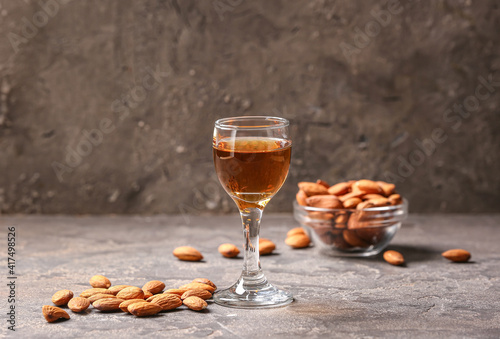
column 351, row 232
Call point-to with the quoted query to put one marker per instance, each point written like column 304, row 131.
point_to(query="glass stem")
column 250, row 218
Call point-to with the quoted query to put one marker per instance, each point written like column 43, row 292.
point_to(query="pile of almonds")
column 146, row 301
column 349, row 225
column 351, row 194
column 353, row 225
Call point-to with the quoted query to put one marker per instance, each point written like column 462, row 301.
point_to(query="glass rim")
column 272, row 122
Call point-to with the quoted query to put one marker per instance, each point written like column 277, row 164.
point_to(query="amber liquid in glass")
column 252, row 169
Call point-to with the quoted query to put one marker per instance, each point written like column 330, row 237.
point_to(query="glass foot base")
column 241, row 296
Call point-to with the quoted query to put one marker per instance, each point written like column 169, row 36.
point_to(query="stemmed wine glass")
column 252, row 158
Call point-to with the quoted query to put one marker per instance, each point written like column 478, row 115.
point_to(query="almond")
column 379, row 202
column 98, row 296
column 99, row 281
column 131, row 293
column 168, row 301
column 117, row 288
column 321, row 215
column 147, row 294
column 394, row 258
column 324, row 201
column 365, row 204
column 366, row 219
column 301, row 197
column 341, row 220
column 322, row 183
column 372, row 235
column 204, row 281
column 457, row 255
column 266, row 246
column 91, row 291
column 52, row 313
column 203, row 294
column 367, row 186
column 352, row 202
column 175, row 291
column 352, row 239
column 123, row 306
column 153, row 286
column 187, row 253
column 312, row 188
column 370, row 196
column 108, row 304
column 195, row 303
column 195, row 286
column 386, row 187
column 335, row 238
column 144, row 309
column 298, row 241
column 353, row 194
column 62, row 297
column 339, row 189
column 395, row 199
column 78, row 304
column 229, row 250
column 296, row 230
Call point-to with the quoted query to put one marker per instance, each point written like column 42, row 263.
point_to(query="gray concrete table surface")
column 334, row 297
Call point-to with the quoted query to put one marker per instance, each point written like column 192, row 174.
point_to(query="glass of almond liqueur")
column 252, row 158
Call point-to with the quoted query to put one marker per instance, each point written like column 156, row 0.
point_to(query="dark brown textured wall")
column 406, row 91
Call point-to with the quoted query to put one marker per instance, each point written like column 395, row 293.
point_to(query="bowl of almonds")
column 355, row 218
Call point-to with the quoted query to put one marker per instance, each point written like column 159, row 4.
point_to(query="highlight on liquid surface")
column 252, row 169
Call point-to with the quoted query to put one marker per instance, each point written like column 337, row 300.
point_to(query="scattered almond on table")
column 297, row 238
column 168, row 301
column 195, row 303
column 91, row 291
column 176, row 291
column 141, row 302
column 394, row 258
column 153, row 286
column 99, row 281
column 78, row 304
column 108, row 304
column 266, row 246
column 62, row 297
column 205, row 281
column 187, row 253
column 197, row 286
column 52, row 313
column 99, row 296
column 457, row 255
column 200, row 293
column 228, row 250
column 132, row 292
column 144, row 309
column 295, row 231
column 117, row 288
column 124, row 305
